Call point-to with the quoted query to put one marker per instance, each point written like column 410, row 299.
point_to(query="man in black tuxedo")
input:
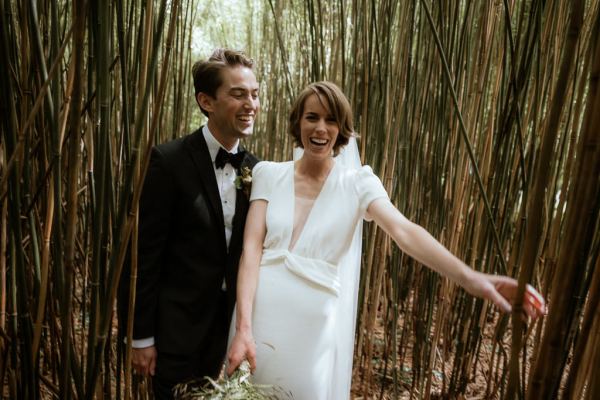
column 191, row 221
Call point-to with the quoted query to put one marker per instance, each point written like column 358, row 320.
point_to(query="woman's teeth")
column 318, row 142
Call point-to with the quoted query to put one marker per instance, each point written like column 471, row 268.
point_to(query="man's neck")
column 227, row 142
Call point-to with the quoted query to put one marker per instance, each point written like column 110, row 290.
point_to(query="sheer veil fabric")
column 349, row 273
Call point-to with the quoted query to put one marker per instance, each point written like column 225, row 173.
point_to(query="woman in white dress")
column 296, row 291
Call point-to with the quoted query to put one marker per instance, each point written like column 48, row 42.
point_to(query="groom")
column 191, row 220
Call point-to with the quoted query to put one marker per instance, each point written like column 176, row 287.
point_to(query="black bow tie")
column 224, row 157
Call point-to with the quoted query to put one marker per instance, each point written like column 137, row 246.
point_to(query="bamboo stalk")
column 503, row 61
column 545, row 378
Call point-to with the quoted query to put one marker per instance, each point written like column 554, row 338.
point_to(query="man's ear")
column 205, row 101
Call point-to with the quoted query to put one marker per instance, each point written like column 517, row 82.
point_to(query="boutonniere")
column 244, row 180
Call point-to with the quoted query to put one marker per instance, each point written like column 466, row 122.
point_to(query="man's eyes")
column 241, row 95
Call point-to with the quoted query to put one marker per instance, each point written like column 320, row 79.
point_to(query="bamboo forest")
column 482, row 119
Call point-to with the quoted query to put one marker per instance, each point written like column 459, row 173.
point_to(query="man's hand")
column 144, row 360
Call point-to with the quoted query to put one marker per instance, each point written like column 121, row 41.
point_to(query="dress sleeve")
column 261, row 188
column 368, row 188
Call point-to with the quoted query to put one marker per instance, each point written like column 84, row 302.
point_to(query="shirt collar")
column 214, row 145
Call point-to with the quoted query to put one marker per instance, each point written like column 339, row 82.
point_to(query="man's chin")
column 245, row 133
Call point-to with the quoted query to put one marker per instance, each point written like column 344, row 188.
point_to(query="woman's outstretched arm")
column 242, row 346
column 419, row 244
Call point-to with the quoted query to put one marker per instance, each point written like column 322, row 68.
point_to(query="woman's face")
column 318, row 128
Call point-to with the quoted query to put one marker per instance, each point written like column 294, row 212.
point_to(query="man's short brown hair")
column 207, row 73
column 332, row 97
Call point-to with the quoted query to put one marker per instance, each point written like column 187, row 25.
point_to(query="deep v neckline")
column 310, row 212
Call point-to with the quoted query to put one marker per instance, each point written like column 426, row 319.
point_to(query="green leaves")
column 236, row 387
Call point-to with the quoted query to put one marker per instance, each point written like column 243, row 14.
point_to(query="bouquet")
column 235, row 387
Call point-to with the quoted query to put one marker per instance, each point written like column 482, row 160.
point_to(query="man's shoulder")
column 174, row 147
column 251, row 159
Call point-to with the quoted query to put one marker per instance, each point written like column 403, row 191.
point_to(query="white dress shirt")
column 225, row 181
column 227, row 191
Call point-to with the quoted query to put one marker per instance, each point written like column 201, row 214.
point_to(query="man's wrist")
column 142, row 343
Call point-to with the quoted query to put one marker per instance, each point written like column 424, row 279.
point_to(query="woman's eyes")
column 312, row 117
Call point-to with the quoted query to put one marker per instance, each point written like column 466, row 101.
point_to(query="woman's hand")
column 242, row 348
column 502, row 291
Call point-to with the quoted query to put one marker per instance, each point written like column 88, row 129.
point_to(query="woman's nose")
column 321, row 125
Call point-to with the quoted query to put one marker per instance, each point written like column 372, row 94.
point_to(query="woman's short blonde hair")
column 332, row 97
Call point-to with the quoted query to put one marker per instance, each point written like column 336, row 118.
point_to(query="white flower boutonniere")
column 244, row 180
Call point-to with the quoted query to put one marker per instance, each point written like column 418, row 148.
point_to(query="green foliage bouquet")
column 235, row 387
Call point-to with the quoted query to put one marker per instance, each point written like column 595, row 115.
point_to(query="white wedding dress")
column 304, row 332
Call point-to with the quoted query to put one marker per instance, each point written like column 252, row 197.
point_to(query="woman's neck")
column 316, row 169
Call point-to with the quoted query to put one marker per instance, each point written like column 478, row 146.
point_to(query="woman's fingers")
column 235, row 357
column 233, row 362
column 241, row 349
column 536, row 300
column 500, row 301
column 493, row 288
column 251, row 357
column 534, row 304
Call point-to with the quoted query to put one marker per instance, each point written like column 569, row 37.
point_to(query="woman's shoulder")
column 357, row 173
column 270, row 167
column 362, row 179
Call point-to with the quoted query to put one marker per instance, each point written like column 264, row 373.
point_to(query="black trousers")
column 174, row 369
column 162, row 390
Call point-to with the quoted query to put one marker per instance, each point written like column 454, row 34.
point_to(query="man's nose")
column 251, row 103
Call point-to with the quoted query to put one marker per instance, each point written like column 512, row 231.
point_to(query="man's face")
column 233, row 110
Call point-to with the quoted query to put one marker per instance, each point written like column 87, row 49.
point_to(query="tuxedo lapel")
column 241, row 206
column 199, row 153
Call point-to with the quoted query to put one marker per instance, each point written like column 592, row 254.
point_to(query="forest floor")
column 480, row 386
column 381, row 386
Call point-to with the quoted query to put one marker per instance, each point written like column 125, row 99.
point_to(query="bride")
column 296, row 292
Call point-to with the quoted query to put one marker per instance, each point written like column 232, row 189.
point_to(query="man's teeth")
column 319, row 142
column 245, row 118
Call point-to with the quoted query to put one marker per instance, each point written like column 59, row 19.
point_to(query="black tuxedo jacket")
column 183, row 256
